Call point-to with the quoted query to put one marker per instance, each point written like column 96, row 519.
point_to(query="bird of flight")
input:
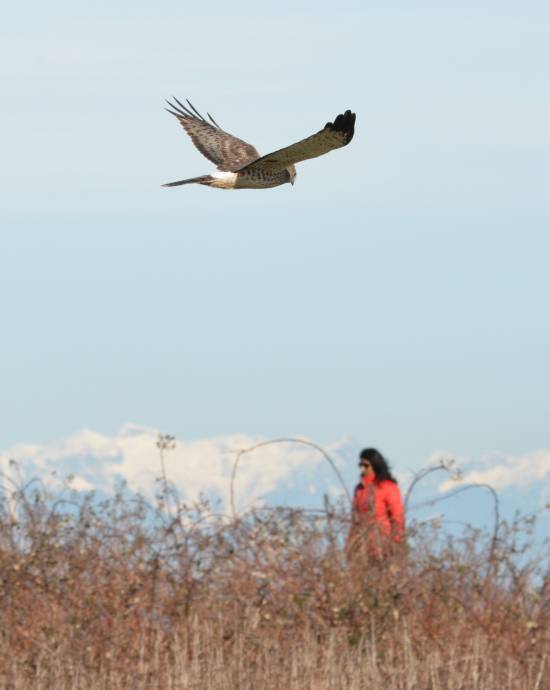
column 239, row 165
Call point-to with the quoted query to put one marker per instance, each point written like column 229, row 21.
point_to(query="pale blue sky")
column 398, row 293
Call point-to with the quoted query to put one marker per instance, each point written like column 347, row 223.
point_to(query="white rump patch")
column 224, row 179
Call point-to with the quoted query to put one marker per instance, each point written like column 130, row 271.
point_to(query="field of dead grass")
column 124, row 594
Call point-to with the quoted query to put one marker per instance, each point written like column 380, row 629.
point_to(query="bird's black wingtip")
column 187, row 112
column 344, row 123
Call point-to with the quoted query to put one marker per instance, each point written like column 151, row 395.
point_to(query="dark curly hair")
column 378, row 463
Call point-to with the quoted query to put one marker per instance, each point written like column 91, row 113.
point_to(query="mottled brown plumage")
column 240, row 164
column 227, row 152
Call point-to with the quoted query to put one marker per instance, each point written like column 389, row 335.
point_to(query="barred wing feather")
column 227, row 152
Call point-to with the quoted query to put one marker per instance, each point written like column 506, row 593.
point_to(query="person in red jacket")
column 378, row 519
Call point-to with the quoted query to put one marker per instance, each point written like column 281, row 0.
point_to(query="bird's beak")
column 292, row 181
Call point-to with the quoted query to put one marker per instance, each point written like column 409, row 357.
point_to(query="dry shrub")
column 124, row 594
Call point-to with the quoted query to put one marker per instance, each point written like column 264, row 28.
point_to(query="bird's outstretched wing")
column 223, row 149
column 334, row 135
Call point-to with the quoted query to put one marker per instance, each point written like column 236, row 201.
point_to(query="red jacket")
column 379, row 504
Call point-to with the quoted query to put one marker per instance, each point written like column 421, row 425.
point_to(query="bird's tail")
column 203, row 179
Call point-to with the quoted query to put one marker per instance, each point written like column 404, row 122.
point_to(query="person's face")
column 365, row 468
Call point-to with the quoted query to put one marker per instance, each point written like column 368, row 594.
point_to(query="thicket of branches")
column 124, row 593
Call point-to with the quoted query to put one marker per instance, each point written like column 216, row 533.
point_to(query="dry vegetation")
column 124, row 594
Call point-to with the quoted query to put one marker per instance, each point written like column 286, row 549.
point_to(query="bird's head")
column 291, row 173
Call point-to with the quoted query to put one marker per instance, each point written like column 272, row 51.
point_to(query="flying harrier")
column 239, row 165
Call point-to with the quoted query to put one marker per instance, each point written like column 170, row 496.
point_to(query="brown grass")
column 123, row 594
